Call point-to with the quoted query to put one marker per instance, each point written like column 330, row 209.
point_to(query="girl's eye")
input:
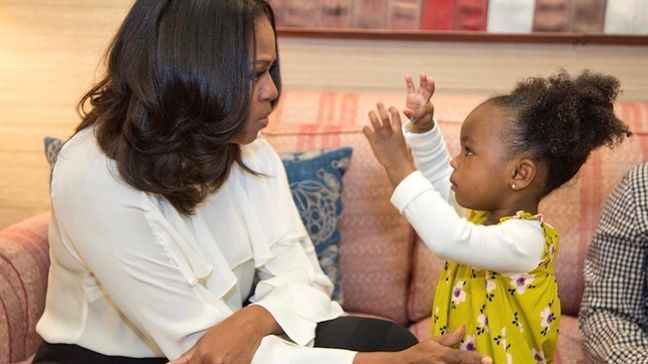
column 468, row 152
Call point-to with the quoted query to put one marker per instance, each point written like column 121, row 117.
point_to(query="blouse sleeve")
column 292, row 286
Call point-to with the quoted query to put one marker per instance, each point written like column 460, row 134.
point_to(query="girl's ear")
column 523, row 175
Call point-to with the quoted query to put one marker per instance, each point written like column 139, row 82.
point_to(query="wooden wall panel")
column 50, row 53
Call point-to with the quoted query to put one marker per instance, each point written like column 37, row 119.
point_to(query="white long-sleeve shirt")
column 425, row 198
column 130, row 276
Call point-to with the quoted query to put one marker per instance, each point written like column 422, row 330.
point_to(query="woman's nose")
column 269, row 90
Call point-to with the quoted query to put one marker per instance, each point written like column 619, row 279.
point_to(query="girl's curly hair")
column 561, row 120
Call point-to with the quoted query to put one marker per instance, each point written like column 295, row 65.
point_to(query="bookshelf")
column 609, row 22
column 465, row 36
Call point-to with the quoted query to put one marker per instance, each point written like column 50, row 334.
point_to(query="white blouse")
column 426, row 200
column 130, row 276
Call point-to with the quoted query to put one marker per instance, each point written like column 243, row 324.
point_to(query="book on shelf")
column 626, row 17
column 587, row 16
column 437, row 14
column 297, row 13
column 470, row 15
column 507, row 16
column 335, row 13
column 370, row 14
column 551, row 16
column 404, row 14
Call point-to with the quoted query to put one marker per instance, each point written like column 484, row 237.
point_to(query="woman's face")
column 264, row 90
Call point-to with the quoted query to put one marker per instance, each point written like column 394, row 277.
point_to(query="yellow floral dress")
column 513, row 318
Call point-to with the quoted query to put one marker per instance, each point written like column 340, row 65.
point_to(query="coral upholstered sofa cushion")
column 375, row 240
column 376, row 247
column 23, row 279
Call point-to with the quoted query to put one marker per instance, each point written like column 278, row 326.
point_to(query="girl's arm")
column 513, row 246
column 432, row 158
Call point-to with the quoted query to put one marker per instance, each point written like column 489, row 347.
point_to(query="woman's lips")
column 263, row 122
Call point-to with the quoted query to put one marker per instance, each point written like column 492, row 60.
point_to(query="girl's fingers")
column 373, row 119
column 368, row 133
column 384, row 116
column 396, row 120
column 430, row 87
column 409, row 84
column 423, row 81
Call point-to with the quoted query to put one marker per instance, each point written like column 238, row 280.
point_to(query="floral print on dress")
column 539, row 357
column 490, row 288
column 482, row 324
column 458, row 294
column 507, row 316
column 501, row 339
column 548, row 317
column 468, row 343
column 520, row 282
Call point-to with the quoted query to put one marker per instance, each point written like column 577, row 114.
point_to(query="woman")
column 167, row 208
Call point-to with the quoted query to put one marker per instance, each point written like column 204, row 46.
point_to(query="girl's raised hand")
column 388, row 144
column 417, row 103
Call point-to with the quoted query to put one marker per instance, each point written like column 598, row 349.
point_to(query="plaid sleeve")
column 614, row 310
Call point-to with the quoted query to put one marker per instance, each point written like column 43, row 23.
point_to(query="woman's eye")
column 259, row 74
column 468, row 151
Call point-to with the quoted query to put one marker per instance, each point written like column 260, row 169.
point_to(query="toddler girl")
column 499, row 279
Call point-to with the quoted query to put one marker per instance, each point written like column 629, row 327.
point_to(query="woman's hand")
column 430, row 351
column 417, row 103
column 388, row 144
column 234, row 340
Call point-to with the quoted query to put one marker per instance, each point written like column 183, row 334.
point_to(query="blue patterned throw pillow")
column 316, row 184
column 52, row 148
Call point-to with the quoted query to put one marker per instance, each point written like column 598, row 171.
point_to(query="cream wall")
column 50, row 51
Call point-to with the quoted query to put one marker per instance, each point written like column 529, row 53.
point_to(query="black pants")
column 350, row 332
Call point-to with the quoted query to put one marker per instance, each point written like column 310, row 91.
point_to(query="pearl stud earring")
column 513, row 186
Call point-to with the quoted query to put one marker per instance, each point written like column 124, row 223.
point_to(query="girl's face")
column 264, row 90
column 481, row 178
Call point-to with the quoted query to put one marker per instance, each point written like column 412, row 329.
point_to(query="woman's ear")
column 523, row 175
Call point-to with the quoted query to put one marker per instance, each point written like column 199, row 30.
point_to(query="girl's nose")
column 453, row 162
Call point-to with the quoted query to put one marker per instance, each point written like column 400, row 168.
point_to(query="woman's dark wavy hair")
column 560, row 120
column 176, row 92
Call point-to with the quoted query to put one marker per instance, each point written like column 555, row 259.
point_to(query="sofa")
column 385, row 269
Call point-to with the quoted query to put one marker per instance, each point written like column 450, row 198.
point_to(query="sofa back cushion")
column 376, row 241
column 574, row 210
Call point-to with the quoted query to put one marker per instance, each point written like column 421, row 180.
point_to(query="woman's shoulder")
column 260, row 156
column 82, row 168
